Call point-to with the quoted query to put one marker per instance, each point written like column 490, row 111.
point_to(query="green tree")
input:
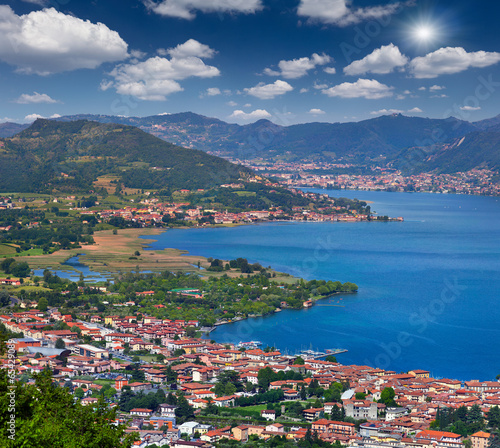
column 299, row 361
column 47, row 416
column 387, row 397
column 79, row 393
column 43, row 304
column 60, row 343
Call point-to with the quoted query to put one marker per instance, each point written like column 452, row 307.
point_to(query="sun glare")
column 424, row 33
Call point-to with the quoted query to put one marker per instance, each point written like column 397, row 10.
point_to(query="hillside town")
column 189, row 391
column 344, row 176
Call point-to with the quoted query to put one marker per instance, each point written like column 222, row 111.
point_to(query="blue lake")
column 429, row 287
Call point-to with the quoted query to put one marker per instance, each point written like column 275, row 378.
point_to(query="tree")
column 60, row 343
column 387, row 397
column 494, row 417
column 4, row 298
column 47, row 416
column 494, row 440
column 299, row 361
column 43, row 304
column 79, row 393
column 331, row 358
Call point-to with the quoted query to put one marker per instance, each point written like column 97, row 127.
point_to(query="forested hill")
column 69, row 156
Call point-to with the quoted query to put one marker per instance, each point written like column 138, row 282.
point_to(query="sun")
column 424, row 33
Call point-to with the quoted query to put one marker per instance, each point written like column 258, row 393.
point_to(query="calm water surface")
column 429, row 288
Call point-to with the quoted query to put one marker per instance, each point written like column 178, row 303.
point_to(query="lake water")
column 429, row 287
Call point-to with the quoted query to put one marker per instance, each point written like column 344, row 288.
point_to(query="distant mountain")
column 69, row 156
column 475, row 150
column 9, row 129
column 382, row 140
column 378, row 138
column 488, row 123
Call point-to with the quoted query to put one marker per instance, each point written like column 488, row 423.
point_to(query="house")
column 480, row 439
column 188, row 428
column 275, row 427
column 312, row 413
column 361, row 409
column 439, row 438
column 240, row 433
column 268, row 414
column 141, row 412
column 167, row 410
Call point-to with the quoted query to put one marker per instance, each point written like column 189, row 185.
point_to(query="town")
column 172, row 388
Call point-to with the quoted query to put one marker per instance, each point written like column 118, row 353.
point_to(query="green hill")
column 69, row 156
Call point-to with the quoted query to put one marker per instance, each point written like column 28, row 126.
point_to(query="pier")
column 311, row 354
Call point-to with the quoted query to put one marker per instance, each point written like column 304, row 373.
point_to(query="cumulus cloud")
column 386, row 111
column 33, row 117
column 157, row 77
column 362, row 88
column 450, row 60
column 232, row 103
column 186, row 9
column 415, row 110
column 257, row 114
column 213, row 91
column 382, row 60
column 470, row 108
column 36, row 98
column 436, row 87
column 269, row 91
column 190, row 48
column 330, row 70
column 48, row 41
column 297, row 68
column 316, row 112
column 340, row 12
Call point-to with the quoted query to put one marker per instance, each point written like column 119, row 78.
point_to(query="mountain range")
column 390, row 139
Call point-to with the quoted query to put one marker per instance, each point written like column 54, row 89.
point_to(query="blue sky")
column 290, row 61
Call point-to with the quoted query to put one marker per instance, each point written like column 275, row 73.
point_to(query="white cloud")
column 382, row 60
column 470, row 108
column 330, row 70
column 191, row 48
column 319, row 86
column 37, row 2
column 436, row 87
column 33, row 117
column 186, row 9
column 316, row 112
column 269, row 91
column 232, row 103
column 304, row 90
column 340, row 12
column 7, row 120
column 450, row 60
column 49, row 41
column 157, row 77
column 415, row 110
column 386, row 112
column 442, row 95
column 257, row 114
column 297, row 68
column 362, row 88
column 213, row 91
column 422, row 88
column 36, row 98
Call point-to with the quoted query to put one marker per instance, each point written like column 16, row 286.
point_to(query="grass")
column 257, row 407
column 6, row 249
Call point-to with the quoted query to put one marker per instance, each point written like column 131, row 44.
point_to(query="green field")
column 6, row 250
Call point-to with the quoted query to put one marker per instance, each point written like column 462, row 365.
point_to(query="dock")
column 310, row 354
